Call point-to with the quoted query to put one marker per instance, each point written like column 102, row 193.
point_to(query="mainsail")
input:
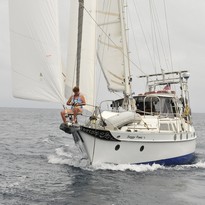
column 35, row 50
column 111, row 48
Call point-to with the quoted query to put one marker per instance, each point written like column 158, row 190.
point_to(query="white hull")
column 173, row 149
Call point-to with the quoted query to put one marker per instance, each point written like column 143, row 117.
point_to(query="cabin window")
column 156, row 104
column 164, row 126
column 170, row 127
column 166, row 107
column 175, row 128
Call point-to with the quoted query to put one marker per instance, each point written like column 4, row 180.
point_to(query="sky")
column 186, row 20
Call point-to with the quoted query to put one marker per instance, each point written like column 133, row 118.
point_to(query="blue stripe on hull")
column 186, row 159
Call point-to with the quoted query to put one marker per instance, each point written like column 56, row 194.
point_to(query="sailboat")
column 152, row 127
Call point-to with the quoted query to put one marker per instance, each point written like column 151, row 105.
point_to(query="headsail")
column 35, row 50
column 110, row 44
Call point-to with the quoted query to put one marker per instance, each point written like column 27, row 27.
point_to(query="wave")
column 8, row 184
column 52, row 139
column 125, row 167
column 147, row 167
column 70, row 155
column 198, row 165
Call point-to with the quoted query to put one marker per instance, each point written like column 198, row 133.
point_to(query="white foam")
column 68, row 155
column 124, row 167
column 80, row 163
column 62, row 152
column 52, row 139
column 47, row 140
column 53, row 159
column 145, row 168
column 199, row 164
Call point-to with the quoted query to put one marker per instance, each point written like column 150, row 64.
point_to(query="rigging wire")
column 135, row 42
column 143, row 32
column 167, row 52
column 167, row 55
column 168, row 37
column 106, row 18
column 161, row 49
column 158, row 26
column 154, row 38
column 158, row 37
column 159, row 46
column 113, row 41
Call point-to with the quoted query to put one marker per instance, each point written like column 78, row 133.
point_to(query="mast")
column 79, row 40
column 125, row 51
column 128, row 102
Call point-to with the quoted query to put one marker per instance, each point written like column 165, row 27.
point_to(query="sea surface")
column 40, row 165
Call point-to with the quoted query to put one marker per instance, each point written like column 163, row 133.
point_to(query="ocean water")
column 39, row 164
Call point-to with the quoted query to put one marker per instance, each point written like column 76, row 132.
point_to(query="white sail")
column 69, row 71
column 88, row 52
column 35, row 50
column 110, row 44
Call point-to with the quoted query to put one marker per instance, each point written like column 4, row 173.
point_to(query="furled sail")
column 110, row 44
column 88, row 52
column 35, row 50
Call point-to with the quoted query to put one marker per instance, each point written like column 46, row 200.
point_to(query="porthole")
column 141, row 148
column 117, row 147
